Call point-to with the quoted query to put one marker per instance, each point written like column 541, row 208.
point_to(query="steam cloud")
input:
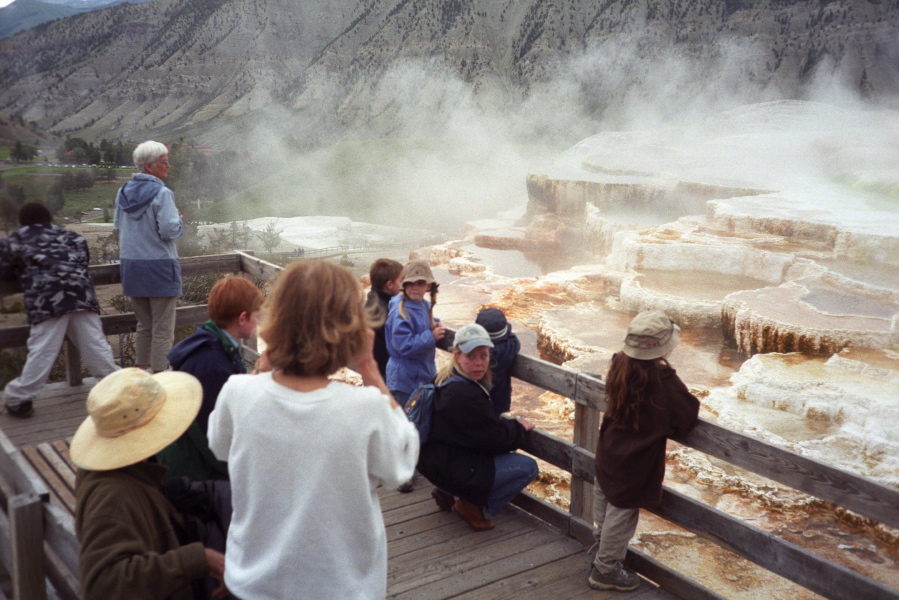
column 436, row 151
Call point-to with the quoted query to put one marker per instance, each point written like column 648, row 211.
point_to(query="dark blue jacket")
column 204, row 356
column 381, row 300
column 501, row 357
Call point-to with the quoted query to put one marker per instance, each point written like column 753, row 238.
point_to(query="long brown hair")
column 626, row 387
column 314, row 320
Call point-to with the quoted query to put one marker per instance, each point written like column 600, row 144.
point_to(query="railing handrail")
column 848, row 490
column 854, row 492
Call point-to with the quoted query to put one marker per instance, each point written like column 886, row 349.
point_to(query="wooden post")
column 586, row 432
column 26, row 527
column 73, row 362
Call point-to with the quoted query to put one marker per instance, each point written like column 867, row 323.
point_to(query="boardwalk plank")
column 577, row 588
column 486, row 566
column 59, row 463
column 464, row 550
column 537, row 580
column 432, row 554
column 59, row 493
column 424, row 531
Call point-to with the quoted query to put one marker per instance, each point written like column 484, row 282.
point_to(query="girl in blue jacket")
column 412, row 332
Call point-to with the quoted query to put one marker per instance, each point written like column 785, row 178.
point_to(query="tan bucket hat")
column 132, row 415
column 418, row 270
column 650, row 335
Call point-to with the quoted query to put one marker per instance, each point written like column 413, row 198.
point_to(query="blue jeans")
column 401, row 397
column 513, row 473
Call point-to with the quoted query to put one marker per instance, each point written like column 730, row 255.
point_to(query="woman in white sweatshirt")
column 306, row 454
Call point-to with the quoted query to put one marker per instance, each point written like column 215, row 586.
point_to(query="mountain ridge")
column 22, row 15
column 186, row 65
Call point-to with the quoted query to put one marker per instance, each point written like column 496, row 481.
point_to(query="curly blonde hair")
column 315, row 322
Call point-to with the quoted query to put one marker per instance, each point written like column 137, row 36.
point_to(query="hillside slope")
column 175, row 65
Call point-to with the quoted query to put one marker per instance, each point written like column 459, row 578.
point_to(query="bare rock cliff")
column 177, row 64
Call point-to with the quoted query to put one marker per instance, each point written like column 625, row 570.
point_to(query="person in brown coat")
column 129, row 531
column 647, row 404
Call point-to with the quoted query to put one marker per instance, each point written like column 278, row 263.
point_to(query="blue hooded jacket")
column 410, row 344
column 148, row 223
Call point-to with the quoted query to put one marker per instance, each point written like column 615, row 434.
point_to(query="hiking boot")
column 473, row 515
column 619, row 579
column 23, row 410
column 444, row 501
column 406, row 487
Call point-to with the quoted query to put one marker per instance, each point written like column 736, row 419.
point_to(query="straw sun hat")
column 132, row 415
column 650, row 335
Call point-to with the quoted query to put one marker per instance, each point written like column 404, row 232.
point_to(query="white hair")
column 148, row 152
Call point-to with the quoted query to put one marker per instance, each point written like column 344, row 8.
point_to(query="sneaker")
column 619, row 579
column 22, row 410
column 406, row 487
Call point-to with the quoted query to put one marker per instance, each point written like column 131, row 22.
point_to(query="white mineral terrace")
column 771, row 234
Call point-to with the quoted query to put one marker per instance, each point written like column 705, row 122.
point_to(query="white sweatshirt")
column 304, row 470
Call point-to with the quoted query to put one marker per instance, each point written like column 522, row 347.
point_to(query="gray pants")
column 44, row 342
column 613, row 529
column 155, row 331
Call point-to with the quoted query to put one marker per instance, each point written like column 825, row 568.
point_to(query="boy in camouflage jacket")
column 51, row 264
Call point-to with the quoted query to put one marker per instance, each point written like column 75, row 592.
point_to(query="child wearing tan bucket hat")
column 647, row 404
column 123, row 521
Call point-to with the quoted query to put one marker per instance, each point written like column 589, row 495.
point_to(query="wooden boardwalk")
column 432, row 555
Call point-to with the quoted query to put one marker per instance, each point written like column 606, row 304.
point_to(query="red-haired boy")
column 211, row 354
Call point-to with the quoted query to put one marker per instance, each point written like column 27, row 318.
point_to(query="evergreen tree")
column 56, row 200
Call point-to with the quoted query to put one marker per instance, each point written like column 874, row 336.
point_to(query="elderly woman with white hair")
column 469, row 454
column 148, row 224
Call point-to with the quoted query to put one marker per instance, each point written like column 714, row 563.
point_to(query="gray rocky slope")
column 172, row 65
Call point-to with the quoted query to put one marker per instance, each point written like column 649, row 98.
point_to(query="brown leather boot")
column 444, row 501
column 473, row 515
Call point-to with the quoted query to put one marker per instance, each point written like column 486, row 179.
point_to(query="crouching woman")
column 470, row 454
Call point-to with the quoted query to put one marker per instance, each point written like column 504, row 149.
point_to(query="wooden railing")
column 114, row 324
column 860, row 495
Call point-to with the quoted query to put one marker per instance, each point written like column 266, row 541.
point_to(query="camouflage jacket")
column 51, row 265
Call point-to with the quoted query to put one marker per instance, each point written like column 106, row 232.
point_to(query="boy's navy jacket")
column 209, row 356
column 203, row 356
column 381, row 300
column 501, row 356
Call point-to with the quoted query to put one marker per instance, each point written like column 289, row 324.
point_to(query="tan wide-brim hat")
column 133, row 415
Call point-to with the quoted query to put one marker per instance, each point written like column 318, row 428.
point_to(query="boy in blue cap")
column 505, row 348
